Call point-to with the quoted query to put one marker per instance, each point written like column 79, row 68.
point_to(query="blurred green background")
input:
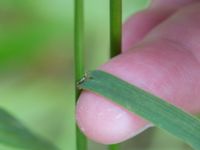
column 36, row 67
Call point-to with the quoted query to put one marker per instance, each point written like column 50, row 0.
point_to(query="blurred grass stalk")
column 115, row 38
column 81, row 141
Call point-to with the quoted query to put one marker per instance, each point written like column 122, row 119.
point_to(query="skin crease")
column 164, row 59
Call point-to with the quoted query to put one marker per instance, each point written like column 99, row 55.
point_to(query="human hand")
column 161, row 54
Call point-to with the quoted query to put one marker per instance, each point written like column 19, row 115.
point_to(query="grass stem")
column 115, row 37
column 114, row 147
column 115, row 27
column 81, row 141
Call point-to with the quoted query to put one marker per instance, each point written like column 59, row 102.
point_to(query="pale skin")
column 161, row 54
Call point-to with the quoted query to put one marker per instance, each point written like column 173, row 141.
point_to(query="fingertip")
column 105, row 122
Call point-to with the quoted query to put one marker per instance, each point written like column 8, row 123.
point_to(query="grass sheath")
column 115, row 37
column 81, row 141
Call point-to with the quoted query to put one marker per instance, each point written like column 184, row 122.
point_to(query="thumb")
column 163, row 67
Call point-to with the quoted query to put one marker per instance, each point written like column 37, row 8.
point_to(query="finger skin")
column 140, row 24
column 181, row 28
column 171, row 3
column 97, row 116
column 163, row 64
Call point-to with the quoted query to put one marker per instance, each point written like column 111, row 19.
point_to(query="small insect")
column 83, row 79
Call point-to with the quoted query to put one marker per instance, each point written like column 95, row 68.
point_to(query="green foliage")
column 152, row 108
column 13, row 133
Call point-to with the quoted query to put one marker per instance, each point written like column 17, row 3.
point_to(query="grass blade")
column 81, row 141
column 161, row 113
column 13, row 133
column 115, row 37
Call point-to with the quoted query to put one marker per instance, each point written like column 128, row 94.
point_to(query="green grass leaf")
column 13, row 133
column 161, row 113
